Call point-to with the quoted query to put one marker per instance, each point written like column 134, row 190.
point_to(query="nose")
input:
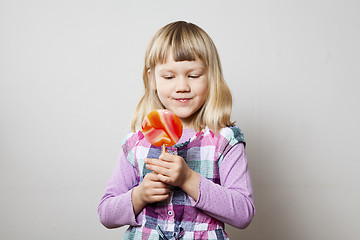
column 182, row 85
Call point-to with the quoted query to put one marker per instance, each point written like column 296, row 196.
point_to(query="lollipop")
column 162, row 128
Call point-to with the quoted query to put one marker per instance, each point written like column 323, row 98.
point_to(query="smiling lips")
column 183, row 100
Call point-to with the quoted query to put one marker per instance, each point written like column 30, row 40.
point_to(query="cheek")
column 204, row 96
column 206, row 91
column 162, row 92
column 203, row 91
column 160, row 83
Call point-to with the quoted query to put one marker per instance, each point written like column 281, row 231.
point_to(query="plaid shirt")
column 178, row 217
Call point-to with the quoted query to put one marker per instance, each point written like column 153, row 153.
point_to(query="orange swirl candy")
column 162, row 127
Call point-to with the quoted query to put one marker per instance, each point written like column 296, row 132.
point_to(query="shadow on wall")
column 274, row 218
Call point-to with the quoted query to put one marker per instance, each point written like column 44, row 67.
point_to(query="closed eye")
column 168, row 77
column 194, row 76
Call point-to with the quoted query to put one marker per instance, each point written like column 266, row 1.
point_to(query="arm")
column 115, row 208
column 235, row 191
column 122, row 201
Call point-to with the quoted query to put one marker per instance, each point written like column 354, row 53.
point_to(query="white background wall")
column 70, row 77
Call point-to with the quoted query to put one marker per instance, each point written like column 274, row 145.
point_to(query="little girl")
column 203, row 181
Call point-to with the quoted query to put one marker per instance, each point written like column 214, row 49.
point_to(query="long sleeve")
column 231, row 202
column 115, row 208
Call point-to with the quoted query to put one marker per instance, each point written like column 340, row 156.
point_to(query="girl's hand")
column 150, row 190
column 173, row 170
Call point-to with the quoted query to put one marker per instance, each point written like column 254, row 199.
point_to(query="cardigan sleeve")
column 235, row 191
column 115, row 208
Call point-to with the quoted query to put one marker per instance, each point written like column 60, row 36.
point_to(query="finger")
column 157, row 162
column 160, row 191
column 158, row 169
column 152, row 179
column 152, row 176
column 170, row 158
column 164, row 179
column 159, row 198
column 160, row 185
column 155, row 181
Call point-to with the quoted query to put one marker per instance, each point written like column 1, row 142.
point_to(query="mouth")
column 183, row 100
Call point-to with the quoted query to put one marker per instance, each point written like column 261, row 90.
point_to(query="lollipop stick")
column 163, row 150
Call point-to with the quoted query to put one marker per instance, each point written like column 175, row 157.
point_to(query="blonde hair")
column 186, row 41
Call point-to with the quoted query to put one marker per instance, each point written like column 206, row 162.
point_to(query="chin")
column 183, row 112
column 183, row 115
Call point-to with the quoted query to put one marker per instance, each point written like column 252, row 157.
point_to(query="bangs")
column 183, row 39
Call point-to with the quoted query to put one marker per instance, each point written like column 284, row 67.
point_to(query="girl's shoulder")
column 233, row 134
column 228, row 136
column 128, row 145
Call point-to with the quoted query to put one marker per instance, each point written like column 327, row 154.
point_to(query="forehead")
column 171, row 64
